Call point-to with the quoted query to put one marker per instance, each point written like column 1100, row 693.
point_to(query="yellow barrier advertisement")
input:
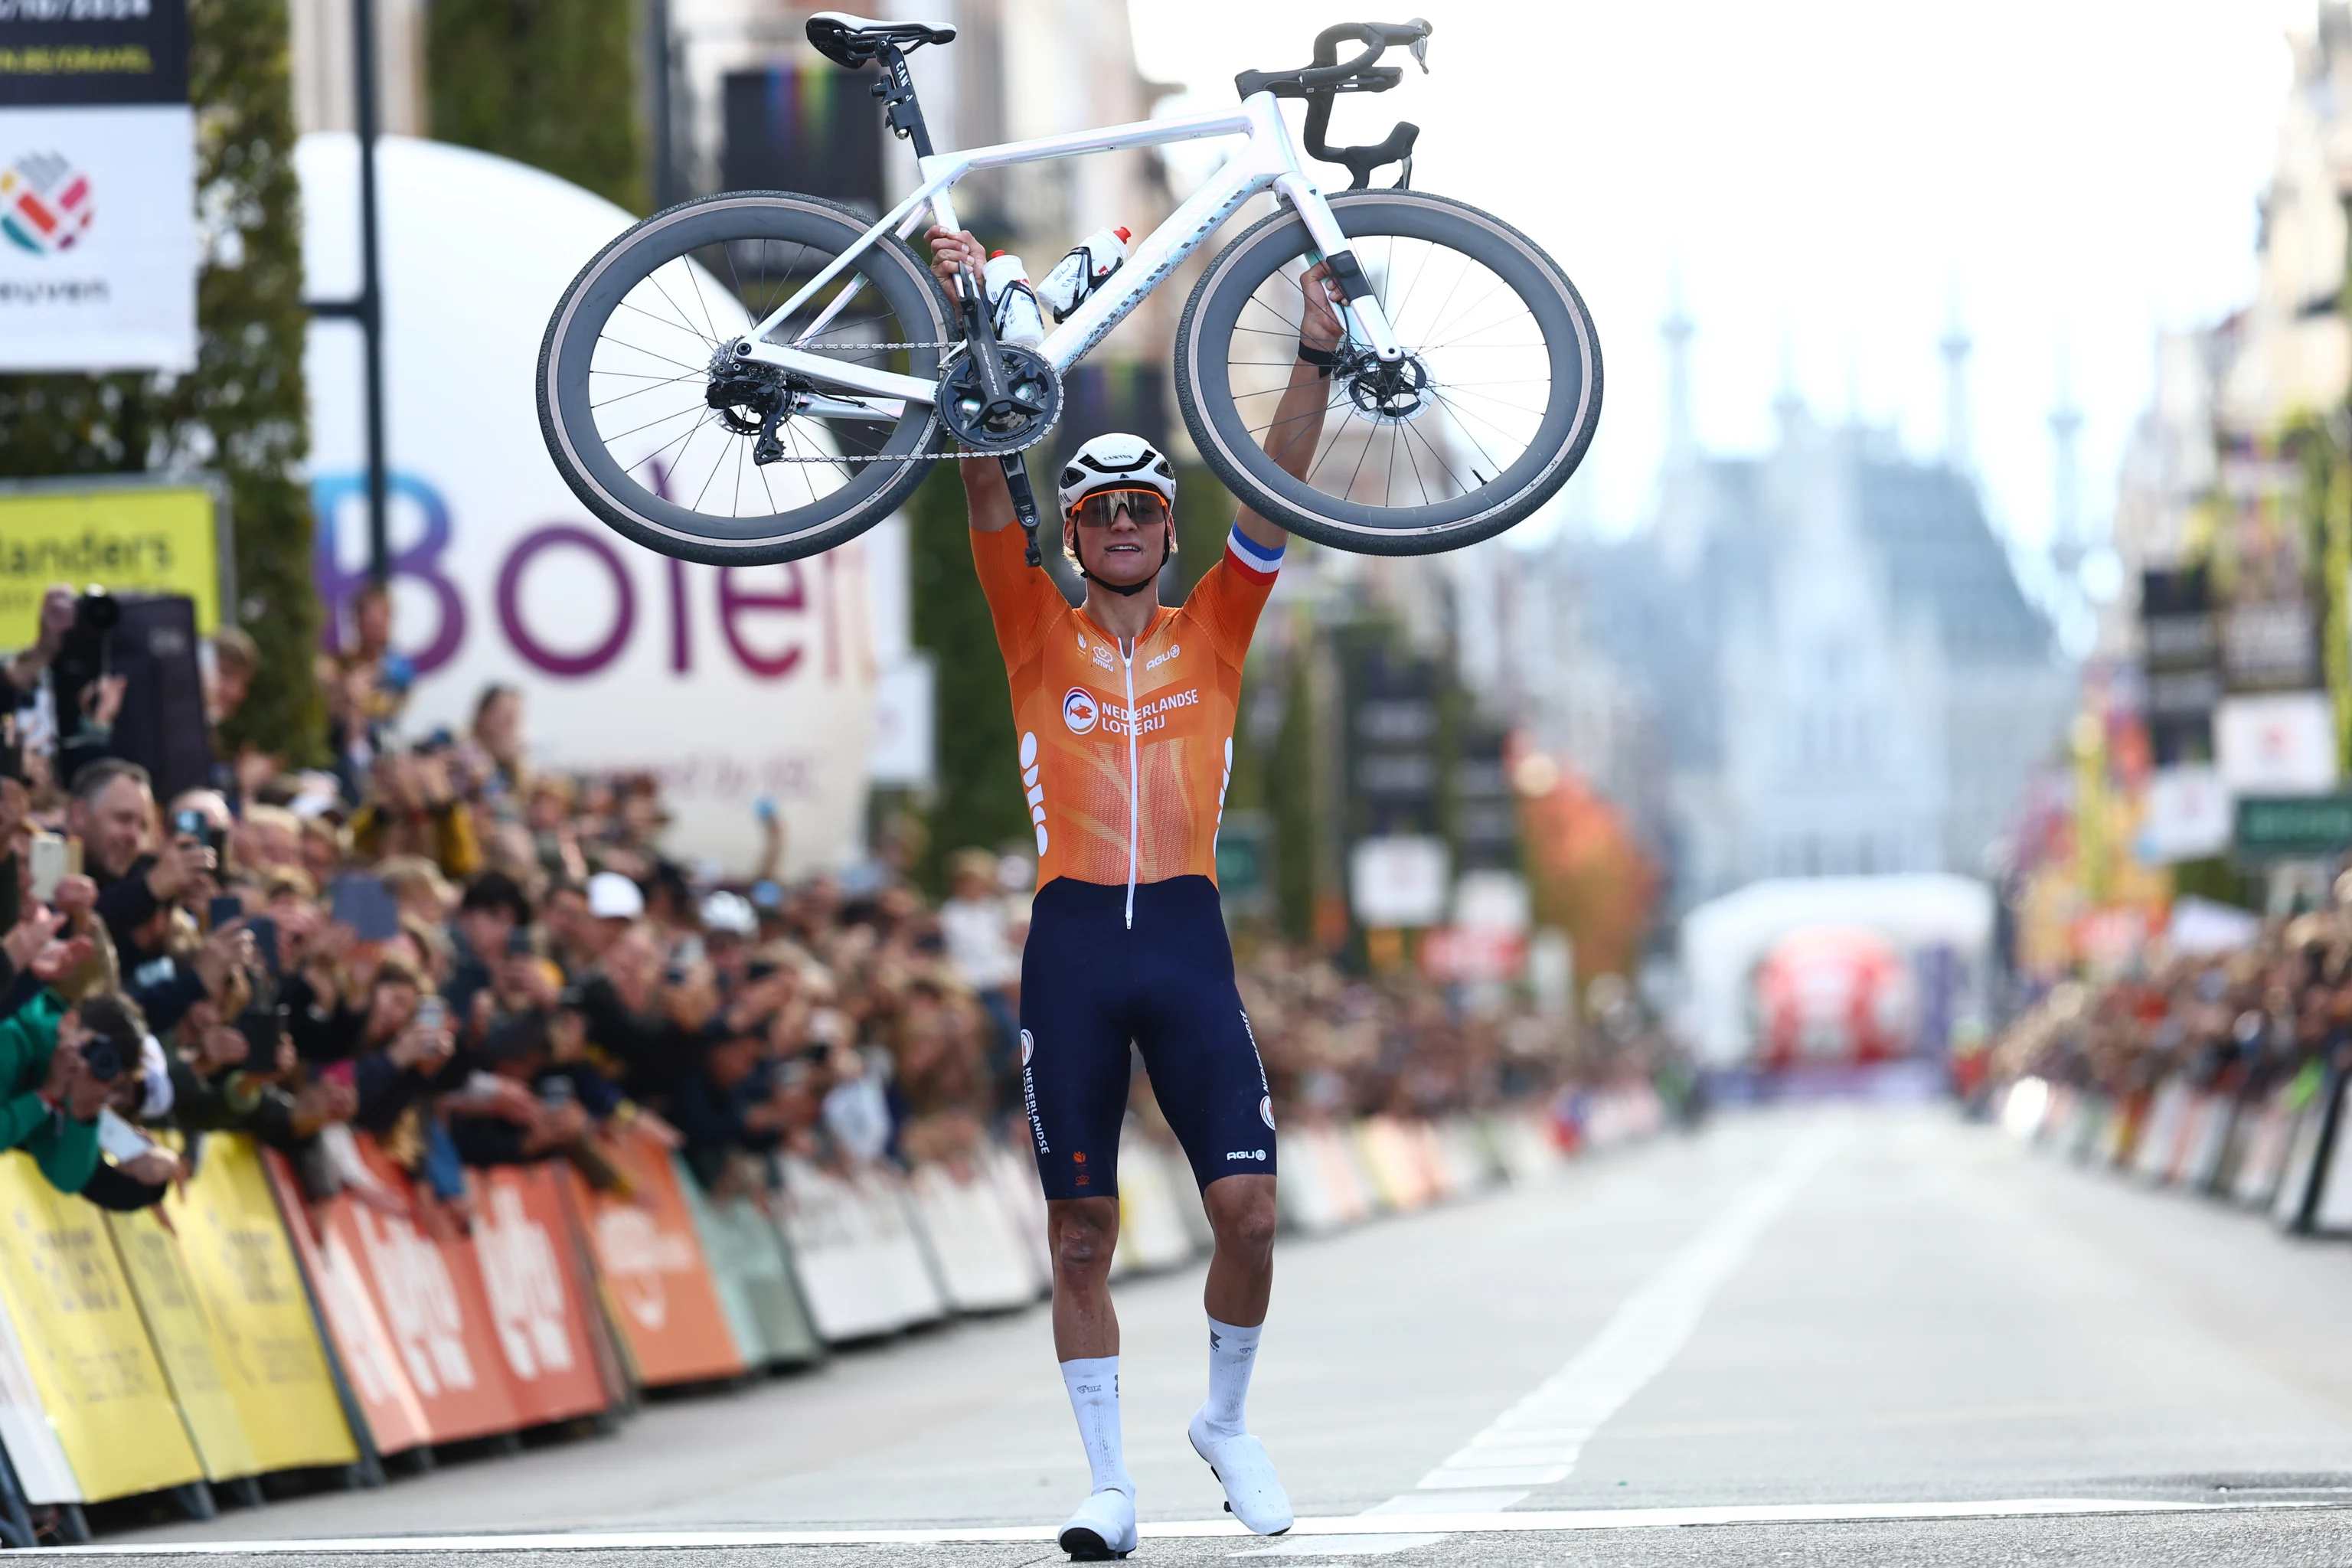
column 156, row 539
column 233, row 1246
column 92, row 1364
column 183, row 1343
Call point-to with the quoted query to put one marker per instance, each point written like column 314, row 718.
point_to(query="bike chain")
column 956, row 457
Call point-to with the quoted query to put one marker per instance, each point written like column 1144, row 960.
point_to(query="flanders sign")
column 98, row 243
column 134, row 537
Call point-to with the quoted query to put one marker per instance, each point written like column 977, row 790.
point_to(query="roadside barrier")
column 2283, row 1153
column 242, row 1330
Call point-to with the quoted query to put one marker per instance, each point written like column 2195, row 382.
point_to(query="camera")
column 82, row 653
column 104, row 1056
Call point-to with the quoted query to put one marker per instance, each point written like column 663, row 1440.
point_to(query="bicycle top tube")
column 942, row 171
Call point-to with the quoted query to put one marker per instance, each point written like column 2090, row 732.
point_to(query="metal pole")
column 371, row 300
column 665, row 179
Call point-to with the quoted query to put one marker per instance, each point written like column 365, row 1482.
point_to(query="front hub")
column 1394, row 391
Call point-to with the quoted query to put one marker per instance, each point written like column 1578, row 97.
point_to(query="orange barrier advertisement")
column 240, row 1263
column 521, row 1244
column 388, row 1401
column 93, row 1368
column 657, row 1285
column 430, row 1295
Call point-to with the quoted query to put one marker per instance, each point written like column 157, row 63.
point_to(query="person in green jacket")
column 49, row 1095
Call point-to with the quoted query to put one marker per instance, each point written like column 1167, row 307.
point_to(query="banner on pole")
column 98, row 233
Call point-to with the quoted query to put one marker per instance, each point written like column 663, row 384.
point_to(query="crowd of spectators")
column 2240, row 1020
column 474, row 962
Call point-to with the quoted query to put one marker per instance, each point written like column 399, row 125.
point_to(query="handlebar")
column 1330, row 74
column 1322, row 81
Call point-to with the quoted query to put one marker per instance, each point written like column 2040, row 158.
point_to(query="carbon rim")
column 625, row 378
column 1488, row 414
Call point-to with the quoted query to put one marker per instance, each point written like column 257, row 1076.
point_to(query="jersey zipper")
column 1134, row 785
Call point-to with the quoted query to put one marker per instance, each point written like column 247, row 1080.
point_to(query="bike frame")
column 1269, row 161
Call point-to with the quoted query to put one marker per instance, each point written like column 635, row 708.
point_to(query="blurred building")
column 1844, row 675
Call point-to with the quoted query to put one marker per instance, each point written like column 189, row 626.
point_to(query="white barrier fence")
column 874, row 1251
column 2281, row 1152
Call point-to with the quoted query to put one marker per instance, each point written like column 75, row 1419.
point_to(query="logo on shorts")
column 1265, row 1110
column 1244, row 1153
column 1079, row 709
column 1028, row 1046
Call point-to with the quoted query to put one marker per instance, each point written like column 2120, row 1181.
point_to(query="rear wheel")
column 1484, row 419
column 661, row 435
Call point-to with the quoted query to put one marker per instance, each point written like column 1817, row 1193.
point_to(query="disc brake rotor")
column 1390, row 392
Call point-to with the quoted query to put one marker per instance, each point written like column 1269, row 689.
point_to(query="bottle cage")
column 1320, row 83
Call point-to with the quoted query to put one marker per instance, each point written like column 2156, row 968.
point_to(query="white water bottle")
column 1085, row 269
column 1011, row 302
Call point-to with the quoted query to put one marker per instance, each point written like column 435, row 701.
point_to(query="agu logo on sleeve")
column 1079, row 709
column 44, row 202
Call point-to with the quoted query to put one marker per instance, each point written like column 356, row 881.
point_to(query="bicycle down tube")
column 1269, row 161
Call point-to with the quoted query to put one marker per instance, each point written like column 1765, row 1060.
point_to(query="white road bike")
column 760, row 376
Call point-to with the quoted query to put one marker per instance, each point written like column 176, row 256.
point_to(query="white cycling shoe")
column 1253, row 1493
column 1103, row 1527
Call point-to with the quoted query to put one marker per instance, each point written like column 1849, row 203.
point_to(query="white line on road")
column 1537, row 1441
column 1352, row 1525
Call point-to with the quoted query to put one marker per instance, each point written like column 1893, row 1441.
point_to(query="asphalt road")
column 1856, row 1335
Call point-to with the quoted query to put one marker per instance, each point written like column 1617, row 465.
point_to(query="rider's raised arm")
column 1297, row 428
column 985, row 496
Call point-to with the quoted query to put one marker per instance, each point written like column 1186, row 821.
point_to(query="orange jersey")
column 1126, row 757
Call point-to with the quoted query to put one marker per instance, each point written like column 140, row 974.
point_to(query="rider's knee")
column 1245, row 1224
column 1083, row 1241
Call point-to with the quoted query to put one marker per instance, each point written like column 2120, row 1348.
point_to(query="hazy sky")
column 1827, row 178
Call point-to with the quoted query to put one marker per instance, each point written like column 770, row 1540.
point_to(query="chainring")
column 1035, row 385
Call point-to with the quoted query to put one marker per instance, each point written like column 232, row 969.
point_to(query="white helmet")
column 1116, row 461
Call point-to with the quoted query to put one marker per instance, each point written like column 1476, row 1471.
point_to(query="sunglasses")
column 1100, row 510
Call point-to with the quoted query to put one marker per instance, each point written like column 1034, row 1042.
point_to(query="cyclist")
column 1125, row 712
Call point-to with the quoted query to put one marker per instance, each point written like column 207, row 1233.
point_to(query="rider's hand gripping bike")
column 760, row 376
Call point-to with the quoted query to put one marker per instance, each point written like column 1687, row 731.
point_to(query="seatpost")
column 905, row 113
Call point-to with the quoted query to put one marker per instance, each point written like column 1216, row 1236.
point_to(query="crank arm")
column 826, row 370
column 1024, row 500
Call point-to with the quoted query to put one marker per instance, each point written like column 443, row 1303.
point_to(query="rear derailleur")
column 753, row 399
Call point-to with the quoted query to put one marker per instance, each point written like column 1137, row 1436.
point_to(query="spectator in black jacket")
column 114, row 810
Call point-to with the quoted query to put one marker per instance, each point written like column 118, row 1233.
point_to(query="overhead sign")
column 2187, row 814
column 98, row 233
column 1398, row 881
column 2293, row 827
column 134, row 536
column 727, row 684
column 2280, row 743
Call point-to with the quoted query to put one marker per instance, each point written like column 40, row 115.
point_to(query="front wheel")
column 679, row 448
column 1486, row 416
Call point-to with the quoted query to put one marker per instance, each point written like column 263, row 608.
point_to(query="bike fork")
column 1363, row 305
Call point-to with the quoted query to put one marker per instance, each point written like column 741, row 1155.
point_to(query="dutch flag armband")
column 1251, row 556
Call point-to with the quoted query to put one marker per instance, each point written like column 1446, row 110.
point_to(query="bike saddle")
column 853, row 42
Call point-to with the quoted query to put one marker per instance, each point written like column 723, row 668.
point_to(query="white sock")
column 1093, row 1383
column 1233, row 1352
